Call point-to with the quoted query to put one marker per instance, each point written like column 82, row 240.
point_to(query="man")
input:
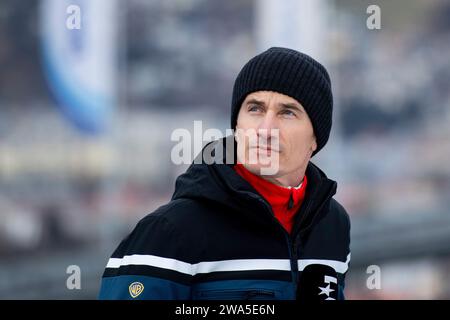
column 231, row 232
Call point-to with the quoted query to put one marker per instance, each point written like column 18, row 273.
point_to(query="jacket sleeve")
column 341, row 284
column 147, row 264
column 341, row 288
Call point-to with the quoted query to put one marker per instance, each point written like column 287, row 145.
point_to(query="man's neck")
column 292, row 180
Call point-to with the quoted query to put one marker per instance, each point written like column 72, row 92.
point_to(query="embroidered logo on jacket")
column 135, row 289
column 327, row 290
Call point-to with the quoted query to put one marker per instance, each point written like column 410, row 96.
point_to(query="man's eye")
column 254, row 108
column 288, row 113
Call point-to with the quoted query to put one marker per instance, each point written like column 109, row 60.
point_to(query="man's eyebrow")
column 256, row 101
column 294, row 106
column 284, row 105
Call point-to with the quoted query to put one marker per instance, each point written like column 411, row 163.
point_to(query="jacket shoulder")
column 340, row 213
column 165, row 232
column 180, row 211
column 343, row 223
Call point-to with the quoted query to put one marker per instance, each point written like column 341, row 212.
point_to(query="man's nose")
column 267, row 125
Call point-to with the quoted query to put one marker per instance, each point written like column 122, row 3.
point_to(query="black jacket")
column 218, row 239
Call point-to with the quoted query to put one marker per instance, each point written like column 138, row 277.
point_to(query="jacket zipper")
column 294, row 239
column 291, row 248
column 298, row 231
column 295, row 246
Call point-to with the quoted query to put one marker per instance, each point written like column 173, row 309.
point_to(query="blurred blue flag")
column 79, row 57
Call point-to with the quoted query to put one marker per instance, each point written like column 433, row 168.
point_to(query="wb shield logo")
column 135, row 289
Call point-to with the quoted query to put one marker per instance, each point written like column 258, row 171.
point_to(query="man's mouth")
column 265, row 149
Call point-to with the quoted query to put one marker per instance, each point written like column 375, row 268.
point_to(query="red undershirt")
column 277, row 196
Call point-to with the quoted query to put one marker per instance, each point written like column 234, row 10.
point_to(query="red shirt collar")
column 276, row 195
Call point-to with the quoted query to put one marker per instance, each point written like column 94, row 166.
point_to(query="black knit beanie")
column 294, row 74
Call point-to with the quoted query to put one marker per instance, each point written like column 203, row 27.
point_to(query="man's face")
column 284, row 134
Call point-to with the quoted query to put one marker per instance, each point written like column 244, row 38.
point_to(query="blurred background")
column 86, row 117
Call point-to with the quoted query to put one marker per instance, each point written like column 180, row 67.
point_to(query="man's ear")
column 314, row 144
column 238, row 115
